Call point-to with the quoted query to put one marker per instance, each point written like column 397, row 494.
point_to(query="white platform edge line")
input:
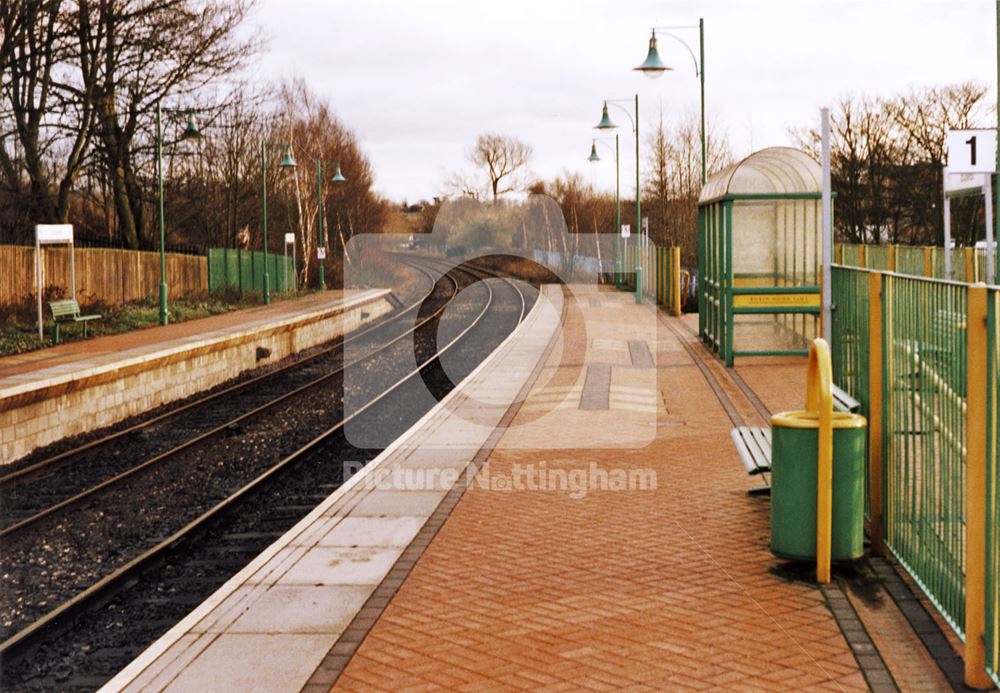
column 150, row 655
column 158, row 350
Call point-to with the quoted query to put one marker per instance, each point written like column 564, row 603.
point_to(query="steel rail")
column 97, row 593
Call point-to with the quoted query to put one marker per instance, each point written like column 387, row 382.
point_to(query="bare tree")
column 504, row 158
column 149, row 50
column 673, row 182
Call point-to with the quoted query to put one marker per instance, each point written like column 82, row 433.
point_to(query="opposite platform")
column 49, row 394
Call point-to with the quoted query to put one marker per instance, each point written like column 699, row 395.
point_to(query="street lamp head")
column 605, row 123
column 288, row 161
column 593, row 153
column 338, row 177
column 191, row 132
column 652, row 66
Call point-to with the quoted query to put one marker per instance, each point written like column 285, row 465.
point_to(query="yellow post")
column 893, row 251
column 928, row 261
column 975, row 492
column 838, row 253
column 970, row 265
column 875, row 411
column 675, row 280
column 862, row 255
column 819, row 398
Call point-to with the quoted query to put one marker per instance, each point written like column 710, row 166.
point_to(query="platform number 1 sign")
column 972, row 151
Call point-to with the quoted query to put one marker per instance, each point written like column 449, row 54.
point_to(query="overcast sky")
column 418, row 81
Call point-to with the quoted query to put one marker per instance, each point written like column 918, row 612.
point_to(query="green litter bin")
column 794, row 453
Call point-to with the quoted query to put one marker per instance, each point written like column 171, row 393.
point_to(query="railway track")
column 196, row 558
column 31, row 492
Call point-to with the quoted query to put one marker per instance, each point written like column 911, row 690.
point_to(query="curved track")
column 265, row 520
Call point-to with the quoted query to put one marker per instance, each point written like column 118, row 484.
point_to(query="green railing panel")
column 851, row 254
column 924, row 398
column 910, row 260
column 849, row 350
column 993, row 489
column 243, row 270
column 877, row 257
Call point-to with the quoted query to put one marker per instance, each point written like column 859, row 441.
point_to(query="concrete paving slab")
column 398, row 503
column 338, row 565
column 371, row 531
column 282, row 662
column 302, row 609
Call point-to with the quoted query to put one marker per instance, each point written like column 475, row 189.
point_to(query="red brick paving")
column 666, row 589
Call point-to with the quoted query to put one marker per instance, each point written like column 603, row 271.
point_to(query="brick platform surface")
column 669, row 588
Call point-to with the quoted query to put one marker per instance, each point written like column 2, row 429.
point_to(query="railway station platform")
column 572, row 517
column 77, row 387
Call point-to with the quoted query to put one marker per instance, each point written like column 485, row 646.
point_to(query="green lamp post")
column 594, row 158
column 337, row 177
column 287, row 161
column 191, row 132
column 607, row 124
column 653, row 66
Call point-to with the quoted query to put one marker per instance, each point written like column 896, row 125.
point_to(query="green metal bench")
column 753, row 443
column 66, row 310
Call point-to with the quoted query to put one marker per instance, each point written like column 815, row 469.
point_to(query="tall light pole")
column 337, row 177
column 606, row 124
column 594, row 158
column 287, row 161
column 190, row 132
column 652, row 66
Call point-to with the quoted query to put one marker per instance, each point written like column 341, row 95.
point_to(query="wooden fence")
column 111, row 275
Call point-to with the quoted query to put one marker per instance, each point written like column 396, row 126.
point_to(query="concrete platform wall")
column 61, row 404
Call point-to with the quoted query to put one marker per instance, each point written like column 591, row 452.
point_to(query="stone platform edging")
column 42, row 406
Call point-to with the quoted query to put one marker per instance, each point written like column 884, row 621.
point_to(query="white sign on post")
column 972, row 151
column 321, row 253
column 54, row 233
column 290, row 238
column 626, row 230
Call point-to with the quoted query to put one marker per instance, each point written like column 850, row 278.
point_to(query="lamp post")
column 287, row 161
column 606, row 124
column 594, row 158
column 652, row 66
column 337, row 177
column 190, row 132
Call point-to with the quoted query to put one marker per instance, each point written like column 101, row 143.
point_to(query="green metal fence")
column 850, row 348
column 910, row 260
column 851, row 254
column 244, row 270
column 924, row 394
column 877, row 257
column 993, row 489
column 658, row 282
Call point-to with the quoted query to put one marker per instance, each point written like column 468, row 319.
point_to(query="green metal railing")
column 244, row 270
column 877, row 257
column 851, row 254
column 992, row 631
column 850, row 348
column 910, row 260
column 658, row 282
column 924, row 395
column 967, row 264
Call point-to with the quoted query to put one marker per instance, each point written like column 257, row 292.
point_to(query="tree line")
column 80, row 82
column 887, row 159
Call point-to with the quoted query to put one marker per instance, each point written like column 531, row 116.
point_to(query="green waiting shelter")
column 759, row 255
